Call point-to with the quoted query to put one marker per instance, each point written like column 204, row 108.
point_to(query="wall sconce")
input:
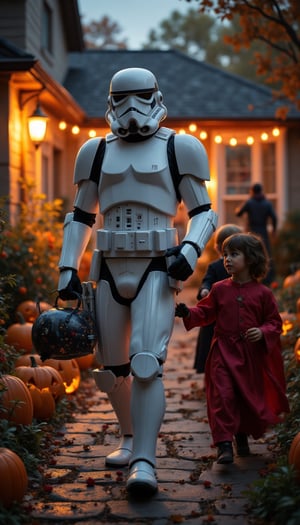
column 37, row 122
column 37, row 125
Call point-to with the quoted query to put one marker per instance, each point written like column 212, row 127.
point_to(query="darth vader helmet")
column 64, row 333
column 135, row 104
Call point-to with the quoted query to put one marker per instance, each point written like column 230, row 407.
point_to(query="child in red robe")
column 244, row 372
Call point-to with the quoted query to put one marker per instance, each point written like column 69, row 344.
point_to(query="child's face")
column 234, row 261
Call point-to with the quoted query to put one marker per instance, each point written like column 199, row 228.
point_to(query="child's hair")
column 254, row 251
column 225, row 231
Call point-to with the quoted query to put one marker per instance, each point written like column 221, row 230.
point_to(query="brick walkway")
column 193, row 489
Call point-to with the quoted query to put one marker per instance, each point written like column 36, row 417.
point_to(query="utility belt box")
column 148, row 243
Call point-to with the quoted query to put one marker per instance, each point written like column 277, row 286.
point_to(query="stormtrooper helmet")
column 135, row 103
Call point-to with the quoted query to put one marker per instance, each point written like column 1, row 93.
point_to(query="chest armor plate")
column 137, row 172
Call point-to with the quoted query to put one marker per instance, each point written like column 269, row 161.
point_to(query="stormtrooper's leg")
column 152, row 315
column 114, row 379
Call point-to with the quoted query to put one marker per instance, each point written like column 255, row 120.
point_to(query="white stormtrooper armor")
column 137, row 262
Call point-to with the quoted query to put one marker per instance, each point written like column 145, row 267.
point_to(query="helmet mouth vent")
column 133, row 127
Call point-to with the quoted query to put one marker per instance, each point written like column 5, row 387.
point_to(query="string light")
column 75, row 130
column 276, row 132
column 92, row 133
column 203, row 135
column 264, row 136
column 193, row 128
column 233, row 141
column 218, row 139
column 250, row 140
column 62, row 125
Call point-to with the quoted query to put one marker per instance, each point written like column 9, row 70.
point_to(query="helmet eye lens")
column 145, row 96
column 118, row 98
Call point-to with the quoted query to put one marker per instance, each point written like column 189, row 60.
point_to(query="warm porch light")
column 192, row 128
column 37, row 125
column 62, row 125
column 218, row 139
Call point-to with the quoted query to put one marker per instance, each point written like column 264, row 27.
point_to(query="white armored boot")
column 147, row 408
column 119, row 398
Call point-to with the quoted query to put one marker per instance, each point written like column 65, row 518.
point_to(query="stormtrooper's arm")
column 193, row 170
column 78, row 224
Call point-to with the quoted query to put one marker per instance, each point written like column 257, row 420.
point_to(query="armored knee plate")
column 145, row 367
column 106, row 380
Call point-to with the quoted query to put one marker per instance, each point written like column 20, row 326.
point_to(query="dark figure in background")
column 215, row 272
column 260, row 211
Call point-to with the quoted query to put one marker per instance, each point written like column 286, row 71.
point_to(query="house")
column 43, row 62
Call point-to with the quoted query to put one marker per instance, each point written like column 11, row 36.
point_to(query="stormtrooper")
column 138, row 265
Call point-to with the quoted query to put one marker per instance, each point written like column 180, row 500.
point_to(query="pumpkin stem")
column 20, row 318
column 33, row 362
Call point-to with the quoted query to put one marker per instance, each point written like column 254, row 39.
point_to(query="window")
column 238, row 170
column 241, row 166
column 47, row 28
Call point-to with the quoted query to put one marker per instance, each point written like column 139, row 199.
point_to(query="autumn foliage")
column 275, row 23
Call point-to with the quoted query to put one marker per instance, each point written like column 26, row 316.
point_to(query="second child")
column 245, row 383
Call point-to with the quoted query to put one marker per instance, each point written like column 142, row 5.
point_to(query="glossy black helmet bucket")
column 64, row 333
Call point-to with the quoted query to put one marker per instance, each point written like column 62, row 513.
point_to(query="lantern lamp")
column 37, row 125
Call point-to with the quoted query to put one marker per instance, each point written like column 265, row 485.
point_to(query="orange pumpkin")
column 13, row 477
column 25, row 360
column 289, row 281
column 16, row 402
column 294, row 454
column 86, row 361
column 42, row 377
column 19, row 335
column 69, row 371
column 31, row 310
column 288, row 321
column 43, row 403
column 298, row 310
column 297, row 350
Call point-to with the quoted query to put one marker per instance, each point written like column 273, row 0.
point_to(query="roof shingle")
column 191, row 89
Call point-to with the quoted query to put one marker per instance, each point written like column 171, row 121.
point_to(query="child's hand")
column 254, row 334
column 182, row 310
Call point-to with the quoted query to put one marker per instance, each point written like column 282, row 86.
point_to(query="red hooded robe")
column 245, row 381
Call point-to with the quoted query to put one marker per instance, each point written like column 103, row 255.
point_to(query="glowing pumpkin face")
column 69, row 371
column 297, row 350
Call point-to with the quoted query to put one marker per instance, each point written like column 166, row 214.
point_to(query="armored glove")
column 69, row 286
column 181, row 269
column 182, row 310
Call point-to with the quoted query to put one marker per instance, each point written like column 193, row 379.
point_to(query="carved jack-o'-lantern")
column 42, row 377
column 69, row 371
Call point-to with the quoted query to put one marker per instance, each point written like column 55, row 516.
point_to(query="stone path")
column 193, row 489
